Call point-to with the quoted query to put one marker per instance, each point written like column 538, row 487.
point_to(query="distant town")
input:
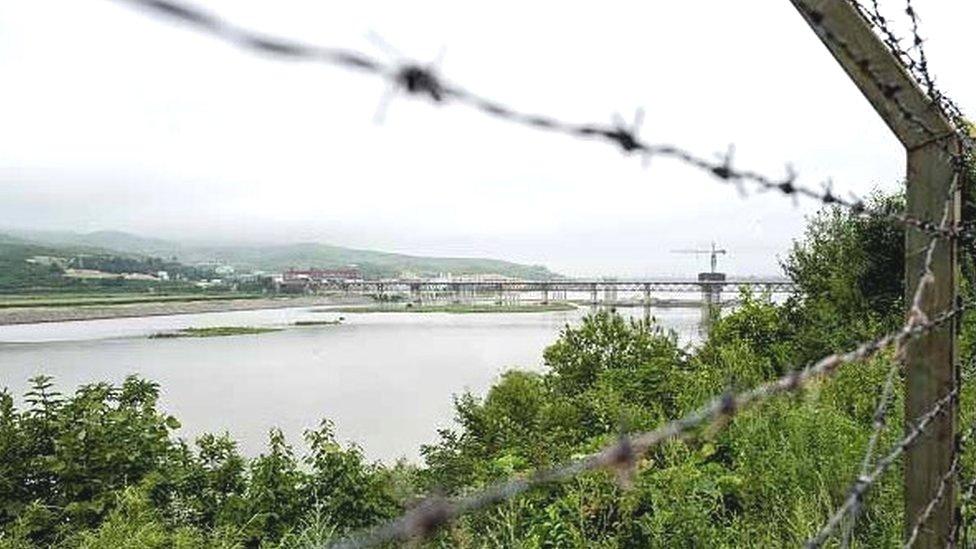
column 220, row 276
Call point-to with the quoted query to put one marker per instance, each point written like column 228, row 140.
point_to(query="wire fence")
column 423, row 81
column 915, row 314
column 622, row 455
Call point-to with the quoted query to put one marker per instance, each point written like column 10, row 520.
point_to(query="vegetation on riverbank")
column 454, row 308
column 102, row 468
column 29, row 268
column 216, row 331
column 317, row 322
column 90, row 300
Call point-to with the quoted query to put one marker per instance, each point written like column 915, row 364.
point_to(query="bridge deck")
column 774, row 286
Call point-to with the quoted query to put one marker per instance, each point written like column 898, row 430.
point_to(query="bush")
column 102, row 468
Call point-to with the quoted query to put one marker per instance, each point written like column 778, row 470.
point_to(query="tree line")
column 101, row 466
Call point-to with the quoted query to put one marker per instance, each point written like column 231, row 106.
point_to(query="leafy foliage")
column 849, row 271
column 101, row 467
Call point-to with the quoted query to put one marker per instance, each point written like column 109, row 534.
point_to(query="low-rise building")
column 309, row 280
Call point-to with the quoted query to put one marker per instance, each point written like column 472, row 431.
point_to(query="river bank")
column 32, row 315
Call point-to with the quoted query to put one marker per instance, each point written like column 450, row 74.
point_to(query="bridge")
column 710, row 286
column 606, row 293
column 565, row 285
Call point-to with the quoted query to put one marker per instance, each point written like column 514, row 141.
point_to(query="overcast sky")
column 111, row 119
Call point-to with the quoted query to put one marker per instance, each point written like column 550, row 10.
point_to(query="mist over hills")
column 270, row 257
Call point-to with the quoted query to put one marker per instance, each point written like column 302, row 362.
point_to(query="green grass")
column 12, row 302
column 454, row 308
column 217, row 331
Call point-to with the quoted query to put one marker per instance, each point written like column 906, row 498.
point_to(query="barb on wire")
column 919, row 68
column 424, row 520
column 948, row 478
column 891, row 91
column 918, row 44
column 969, row 488
column 915, row 316
column 879, row 421
column 968, row 494
column 866, row 481
column 423, row 81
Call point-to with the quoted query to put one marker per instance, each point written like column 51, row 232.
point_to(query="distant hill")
column 106, row 240
column 16, row 273
column 278, row 257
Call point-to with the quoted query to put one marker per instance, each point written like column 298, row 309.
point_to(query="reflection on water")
column 385, row 379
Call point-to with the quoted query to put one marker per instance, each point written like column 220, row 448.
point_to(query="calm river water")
column 385, row 379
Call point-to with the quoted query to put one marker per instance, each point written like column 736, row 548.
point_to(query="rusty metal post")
column 930, row 142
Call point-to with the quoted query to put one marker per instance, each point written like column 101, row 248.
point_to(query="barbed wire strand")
column 435, row 512
column 890, row 90
column 944, row 483
column 422, row 81
column 966, row 489
column 915, row 315
column 879, row 421
column 937, row 100
column 865, row 482
column 917, row 68
column 968, row 495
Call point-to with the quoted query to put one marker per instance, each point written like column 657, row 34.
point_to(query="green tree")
column 849, row 269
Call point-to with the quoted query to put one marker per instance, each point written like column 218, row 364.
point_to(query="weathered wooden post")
column 930, row 142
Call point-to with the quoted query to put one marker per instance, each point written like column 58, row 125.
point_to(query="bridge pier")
column 711, row 299
column 647, row 304
column 593, row 294
column 610, row 295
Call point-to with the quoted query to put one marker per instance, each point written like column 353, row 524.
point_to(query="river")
column 385, row 379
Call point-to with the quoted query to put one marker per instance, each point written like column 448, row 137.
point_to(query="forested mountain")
column 277, row 257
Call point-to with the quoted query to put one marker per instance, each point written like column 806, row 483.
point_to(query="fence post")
column 928, row 139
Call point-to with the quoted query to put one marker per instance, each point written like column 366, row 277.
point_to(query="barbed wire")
column 878, row 423
column 892, row 41
column 891, row 91
column 926, row 278
column 422, row 81
column 865, row 482
column 922, row 64
column 944, row 482
column 915, row 316
column 966, row 489
column 622, row 455
column 968, row 495
column 919, row 69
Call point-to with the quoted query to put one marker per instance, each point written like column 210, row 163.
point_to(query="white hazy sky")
column 111, row 119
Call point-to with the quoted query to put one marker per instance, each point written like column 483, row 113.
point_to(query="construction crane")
column 714, row 253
